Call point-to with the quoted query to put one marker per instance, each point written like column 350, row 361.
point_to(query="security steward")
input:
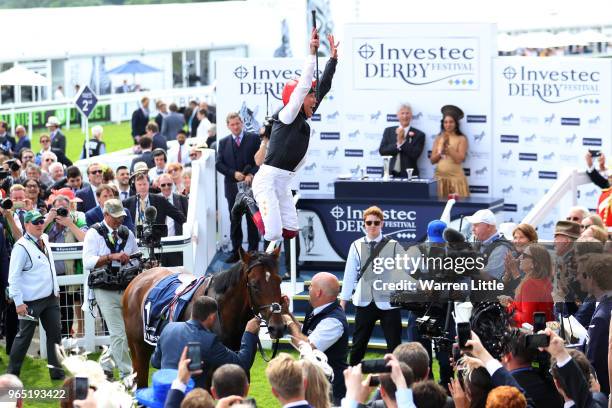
column 106, row 254
column 34, row 289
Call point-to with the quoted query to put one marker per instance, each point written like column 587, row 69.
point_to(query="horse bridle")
column 275, row 308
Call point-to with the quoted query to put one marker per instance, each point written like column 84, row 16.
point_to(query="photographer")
column 63, row 225
column 13, row 211
column 12, row 174
column 109, row 245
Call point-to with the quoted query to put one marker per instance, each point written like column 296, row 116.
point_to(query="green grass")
column 34, row 374
column 116, row 137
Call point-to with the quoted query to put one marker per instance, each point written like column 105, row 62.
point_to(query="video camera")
column 150, row 234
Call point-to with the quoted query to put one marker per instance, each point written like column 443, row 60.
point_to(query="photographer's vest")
column 337, row 353
column 100, row 278
column 93, row 146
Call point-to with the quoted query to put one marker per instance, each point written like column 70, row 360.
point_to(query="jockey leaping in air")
column 289, row 138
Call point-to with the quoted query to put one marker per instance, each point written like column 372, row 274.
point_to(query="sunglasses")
column 575, row 219
column 45, row 141
column 173, row 170
column 48, row 160
column 369, row 223
column 96, row 172
column 166, row 185
column 193, row 155
column 39, row 221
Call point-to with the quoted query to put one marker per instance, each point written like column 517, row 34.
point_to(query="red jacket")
column 534, row 296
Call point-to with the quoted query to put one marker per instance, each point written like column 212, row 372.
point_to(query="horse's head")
column 263, row 287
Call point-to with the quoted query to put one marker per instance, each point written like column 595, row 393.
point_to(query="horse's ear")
column 276, row 252
column 244, row 256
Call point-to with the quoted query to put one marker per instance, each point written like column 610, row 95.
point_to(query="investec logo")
column 256, row 80
column 349, row 219
column 433, row 63
column 553, row 86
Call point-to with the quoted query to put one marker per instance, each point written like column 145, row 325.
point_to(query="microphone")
column 452, row 236
column 150, row 214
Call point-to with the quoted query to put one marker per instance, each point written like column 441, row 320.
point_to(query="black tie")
column 307, row 320
column 372, row 246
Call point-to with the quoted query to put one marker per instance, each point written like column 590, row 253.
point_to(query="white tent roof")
column 20, row 75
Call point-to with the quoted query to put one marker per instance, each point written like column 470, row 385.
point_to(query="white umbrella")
column 20, row 75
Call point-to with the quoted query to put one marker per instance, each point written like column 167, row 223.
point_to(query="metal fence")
column 93, row 330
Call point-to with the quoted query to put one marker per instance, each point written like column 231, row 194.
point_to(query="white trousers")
column 273, row 195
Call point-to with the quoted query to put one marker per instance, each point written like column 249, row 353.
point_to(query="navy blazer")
column 139, row 123
column 231, row 159
column 597, row 348
column 23, row 143
column 160, row 142
column 176, row 335
column 409, row 152
column 146, row 157
column 89, row 199
column 164, row 209
column 96, row 215
column 59, row 142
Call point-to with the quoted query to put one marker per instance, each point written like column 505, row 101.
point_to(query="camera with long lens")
column 13, row 165
column 6, row 204
column 62, row 212
column 150, row 234
column 4, row 174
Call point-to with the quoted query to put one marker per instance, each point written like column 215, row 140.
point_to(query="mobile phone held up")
column 375, row 366
column 194, row 354
column 81, row 388
column 464, row 333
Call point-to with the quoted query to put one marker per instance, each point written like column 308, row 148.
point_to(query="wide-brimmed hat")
column 155, row 397
column 452, row 110
column 53, row 121
column 568, row 228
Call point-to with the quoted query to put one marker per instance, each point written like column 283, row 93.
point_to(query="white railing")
column 568, row 182
column 121, row 105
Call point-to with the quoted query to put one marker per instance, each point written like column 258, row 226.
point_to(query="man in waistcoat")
column 325, row 327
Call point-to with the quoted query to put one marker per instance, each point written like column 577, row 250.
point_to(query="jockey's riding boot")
column 251, row 204
column 239, row 206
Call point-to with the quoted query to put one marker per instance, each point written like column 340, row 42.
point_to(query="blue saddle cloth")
column 162, row 305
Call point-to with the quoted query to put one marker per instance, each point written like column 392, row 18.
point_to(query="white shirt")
column 288, row 113
column 203, row 127
column 94, row 247
column 327, row 332
column 173, row 154
column 296, row 404
column 155, row 172
column 31, row 272
column 170, row 221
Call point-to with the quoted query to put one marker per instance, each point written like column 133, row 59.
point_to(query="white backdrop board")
column 384, row 65
column 548, row 113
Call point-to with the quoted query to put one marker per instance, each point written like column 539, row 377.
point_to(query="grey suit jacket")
column 171, row 124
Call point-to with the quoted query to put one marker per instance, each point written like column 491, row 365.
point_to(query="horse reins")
column 275, row 308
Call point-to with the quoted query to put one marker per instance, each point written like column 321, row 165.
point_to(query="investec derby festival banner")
column 548, row 113
column 384, row 65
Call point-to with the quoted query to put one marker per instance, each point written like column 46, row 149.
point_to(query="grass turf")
column 116, row 137
column 34, row 374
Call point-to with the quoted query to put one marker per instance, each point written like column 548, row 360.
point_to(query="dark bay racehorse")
column 251, row 287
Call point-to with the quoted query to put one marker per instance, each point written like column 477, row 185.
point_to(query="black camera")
column 150, row 234
column 13, row 165
column 7, row 204
column 61, row 212
column 4, row 174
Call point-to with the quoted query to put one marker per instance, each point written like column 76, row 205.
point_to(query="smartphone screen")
column 539, row 321
column 464, row 333
column 193, row 353
column 81, row 387
column 534, row 341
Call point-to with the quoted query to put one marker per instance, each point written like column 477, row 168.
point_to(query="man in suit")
column 58, row 140
column 23, row 141
column 122, row 182
column 596, row 272
column 172, row 123
column 105, row 192
column 180, row 153
column 179, row 201
column 159, row 142
column 236, row 161
column 88, row 194
column 518, row 361
column 162, row 112
column 404, row 142
column 176, row 335
column 191, row 117
column 140, row 118
column 287, row 381
column 146, row 156
column 325, row 328
column 137, row 204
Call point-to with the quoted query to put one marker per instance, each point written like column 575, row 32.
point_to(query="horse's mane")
column 229, row 278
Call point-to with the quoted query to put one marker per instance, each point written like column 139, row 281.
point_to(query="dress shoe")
column 232, row 258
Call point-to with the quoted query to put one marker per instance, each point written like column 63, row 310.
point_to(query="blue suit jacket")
column 176, row 335
column 89, row 199
column 597, row 348
column 231, row 159
column 96, row 215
